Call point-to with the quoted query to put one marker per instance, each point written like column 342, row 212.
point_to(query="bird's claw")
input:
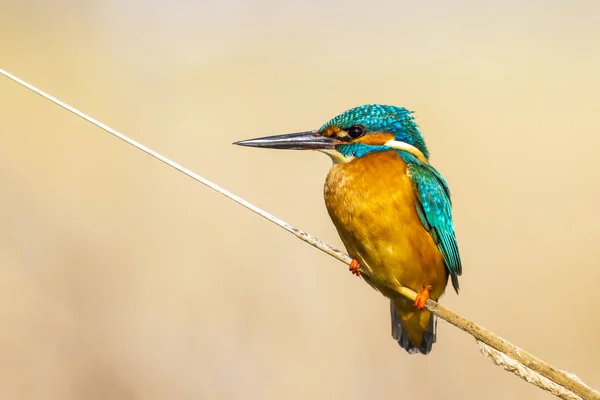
column 422, row 298
column 355, row 267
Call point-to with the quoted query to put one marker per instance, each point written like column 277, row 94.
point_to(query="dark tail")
column 401, row 335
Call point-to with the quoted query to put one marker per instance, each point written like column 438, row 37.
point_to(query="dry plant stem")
column 514, row 352
column 475, row 330
column 507, row 363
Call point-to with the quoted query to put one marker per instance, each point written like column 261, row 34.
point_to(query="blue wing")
column 435, row 210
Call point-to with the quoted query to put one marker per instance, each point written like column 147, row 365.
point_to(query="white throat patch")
column 408, row 148
column 336, row 156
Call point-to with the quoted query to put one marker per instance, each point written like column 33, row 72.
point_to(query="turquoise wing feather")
column 435, row 211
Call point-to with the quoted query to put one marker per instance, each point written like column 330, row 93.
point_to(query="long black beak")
column 311, row 140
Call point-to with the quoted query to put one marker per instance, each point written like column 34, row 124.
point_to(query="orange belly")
column 371, row 201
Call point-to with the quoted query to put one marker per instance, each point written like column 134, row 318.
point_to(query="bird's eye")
column 355, row 131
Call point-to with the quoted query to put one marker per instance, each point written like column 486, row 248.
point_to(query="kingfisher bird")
column 391, row 208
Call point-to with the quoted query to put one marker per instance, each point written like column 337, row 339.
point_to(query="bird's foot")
column 422, row 298
column 355, row 267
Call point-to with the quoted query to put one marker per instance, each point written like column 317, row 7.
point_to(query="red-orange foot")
column 422, row 298
column 355, row 267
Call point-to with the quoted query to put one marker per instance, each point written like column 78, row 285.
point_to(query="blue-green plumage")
column 359, row 149
column 435, row 211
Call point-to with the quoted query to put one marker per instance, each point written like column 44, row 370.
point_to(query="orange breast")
column 371, row 201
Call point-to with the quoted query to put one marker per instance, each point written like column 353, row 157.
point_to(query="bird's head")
column 355, row 133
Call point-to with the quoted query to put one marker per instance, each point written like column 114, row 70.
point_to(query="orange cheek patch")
column 375, row 138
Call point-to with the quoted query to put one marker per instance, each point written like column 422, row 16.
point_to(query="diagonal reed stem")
column 481, row 334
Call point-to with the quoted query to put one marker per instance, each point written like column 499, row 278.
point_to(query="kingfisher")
column 391, row 208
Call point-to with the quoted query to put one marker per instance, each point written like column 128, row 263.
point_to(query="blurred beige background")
column 123, row 279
